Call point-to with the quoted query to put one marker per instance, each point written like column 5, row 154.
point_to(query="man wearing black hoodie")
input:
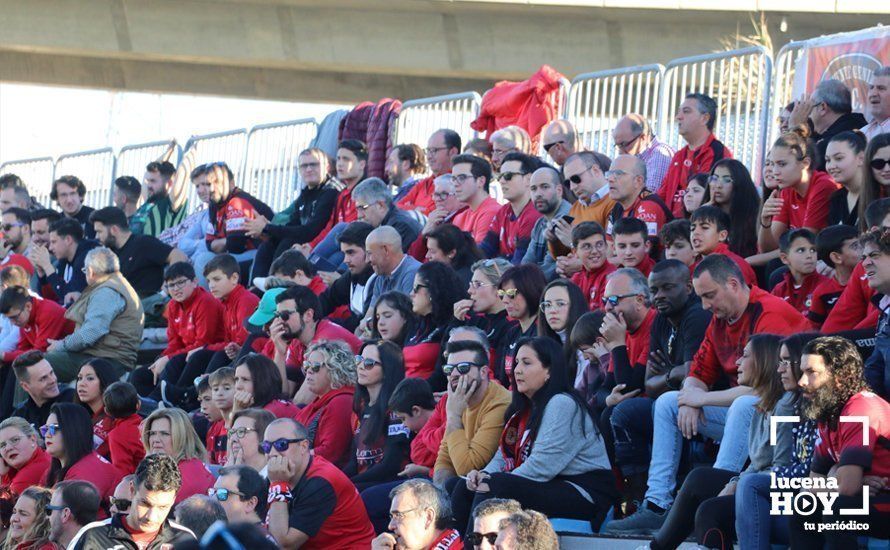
column 346, row 299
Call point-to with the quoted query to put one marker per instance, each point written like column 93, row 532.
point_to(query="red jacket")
column 801, row 297
column 125, row 443
column 722, row 248
column 194, row 323
column 330, row 419
column 47, row 322
column 685, row 164
column 420, row 196
column 724, row 342
column 237, row 306
column 425, row 445
column 593, row 284
column 853, row 309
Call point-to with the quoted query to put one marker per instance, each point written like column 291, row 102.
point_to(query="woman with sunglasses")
column 436, row 289
column 170, row 432
column 329, row 368
column 520, row 290
column 29, row 525
column 551, row 457
column 245, row 436
column 845, row 163
column 258, row 384
column 877, row 175
column 456, row 248
column 22, row 462
column 381, row 441
column 93, row 379
column 68, row 434
column 393, row 318
column 733, row 191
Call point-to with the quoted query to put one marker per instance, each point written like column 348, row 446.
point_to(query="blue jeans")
column 327, row 255
column 631, row 422
column 203, row 257
column 377, row 503
column 729, row 425
column 756, row 529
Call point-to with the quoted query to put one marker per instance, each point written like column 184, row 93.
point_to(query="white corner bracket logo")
column 805, row 496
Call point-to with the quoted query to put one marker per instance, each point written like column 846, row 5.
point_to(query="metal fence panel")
column 36, row 173
column 228, row 147
column 419, row 118
column 783, row 83
column 597, row 101
column 132, row 159
column 95, row 169
column 271, row 173
column 740, row 81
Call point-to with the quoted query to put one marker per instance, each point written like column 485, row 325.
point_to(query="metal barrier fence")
column 271, row 172
column 132, row 159
column 419, row 118
column 37, row 173
column 228, row 147
column 740, row 82
column 596, row 101
column 95, row 169
column 783, row 83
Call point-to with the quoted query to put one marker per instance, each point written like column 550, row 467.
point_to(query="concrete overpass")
column 351, row 50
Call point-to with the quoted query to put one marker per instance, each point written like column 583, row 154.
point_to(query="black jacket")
column 111, row 534
column 849, row 121
column 340, row 294
column 312, row 211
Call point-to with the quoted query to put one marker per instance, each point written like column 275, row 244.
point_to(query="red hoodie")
column 593, row 284
column 329, row 419
column 47, row 322
column 237, row 306
column 194, row 323
column 853, row 310
column 420, row 197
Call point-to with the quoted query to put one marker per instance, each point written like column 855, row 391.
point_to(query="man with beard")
column 16, row 237
column 547, row 196
column 297, row 324
column 74, row 504
column 157, row 213
column 854, row 427
column 404, row 165
column 345, row 301
column 676, row 334
column 876, row 264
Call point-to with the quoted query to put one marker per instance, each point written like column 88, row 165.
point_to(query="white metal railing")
column 37, row 173
column 95, row 168
column 271, row 173
column 419, row 118
column 228, row 147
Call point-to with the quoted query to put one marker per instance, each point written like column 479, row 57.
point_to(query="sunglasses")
column 417, row 288
column 50, row 508
column 508, row 176
column 547, row 148
column 576, row 179
column 284, row 315
column 122, row 504
column 509, row 293
column 476, row 538
column 9, row 226
column 366, row 363
column 49, row 429
column 614, row 300
column 222, row 495
column 879, row 164
column 462, row 368
column 279, row 445
column 311, row 367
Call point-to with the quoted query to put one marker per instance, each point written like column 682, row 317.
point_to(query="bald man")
column 634, row 136
column 560, row 140
column 393, row 269
column 627, row 187
column 546, row 192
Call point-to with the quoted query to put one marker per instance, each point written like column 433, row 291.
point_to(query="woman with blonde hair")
column 29, row 526
column 22, row 461
column 169, row 431
column 330, row 371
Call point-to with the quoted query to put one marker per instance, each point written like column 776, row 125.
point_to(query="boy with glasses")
column 590, row 249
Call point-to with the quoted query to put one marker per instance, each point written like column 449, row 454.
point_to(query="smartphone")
column 568, row 219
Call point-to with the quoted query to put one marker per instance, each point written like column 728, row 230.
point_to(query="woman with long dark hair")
column 877, row 175
column 734, row 192
column 381, row 441
column 68, row 434
column 453, row 247
column 436, row 289
column 697, row 193
column 258, row 384
column 93, row 379
column 845, row 163
column 393, row 318
column 520, row 290
column 562, row 303
column 551, row 457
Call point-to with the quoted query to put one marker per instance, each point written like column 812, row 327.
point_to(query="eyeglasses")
column 725, row 180
column 173, row 287
column 366, row 363
column 11, row 442
column 612, row 174
column 400, row 515
column 576, row 179
column 441, row 196
column 476, row 538
column 509, row 293
column 547, row 147
column 785, row 363
column 462, row 368
column 222, row 495
column 879, row 164
column 461, row 178
column 363, row 207
column 434, row 150
column 556, row 304
column 122, row 504
column 49, row 429
column 279, row 445
column 50, row 508
column 284, row 315
column 480, row 284
column 615, row 299
column 307, row 165
column 508, row 176
column 311, row 367
column 241, row 433
column 8, row 226
column 625, row 145
column 417, row 288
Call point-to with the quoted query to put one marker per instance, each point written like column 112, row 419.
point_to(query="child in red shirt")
column 222, row 391
column 294, row 266
column 590, row 246
column 632, row 245
column 709, row 229
column 125, row 437
column 838, row 246
column 798, row 252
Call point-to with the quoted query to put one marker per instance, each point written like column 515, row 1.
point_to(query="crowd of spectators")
column 412, row 363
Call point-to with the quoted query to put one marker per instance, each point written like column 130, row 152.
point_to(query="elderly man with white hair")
column 374, row 205
column 108, row 320
column 878, row 103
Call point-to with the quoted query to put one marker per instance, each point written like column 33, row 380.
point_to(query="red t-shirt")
column 47, row 322
column 512, row 231
column 420, row 359
column 194, row 323
column 32, row 473
column 98, row 471
column 853, row 309
column 647, row 211
column 125, row 443
column 593, row 284
column 235, row 308
column 644, row 267
column 196, row 479
column 799, row 296
column 811, row 210
column 420, row 197
column 724, row 342
column 282, row 409
column 747, row 271
column 217, row 436
column 477, row 221
column 824, row 297
column 329, row 419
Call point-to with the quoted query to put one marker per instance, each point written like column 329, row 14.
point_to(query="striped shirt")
column 658, row 160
